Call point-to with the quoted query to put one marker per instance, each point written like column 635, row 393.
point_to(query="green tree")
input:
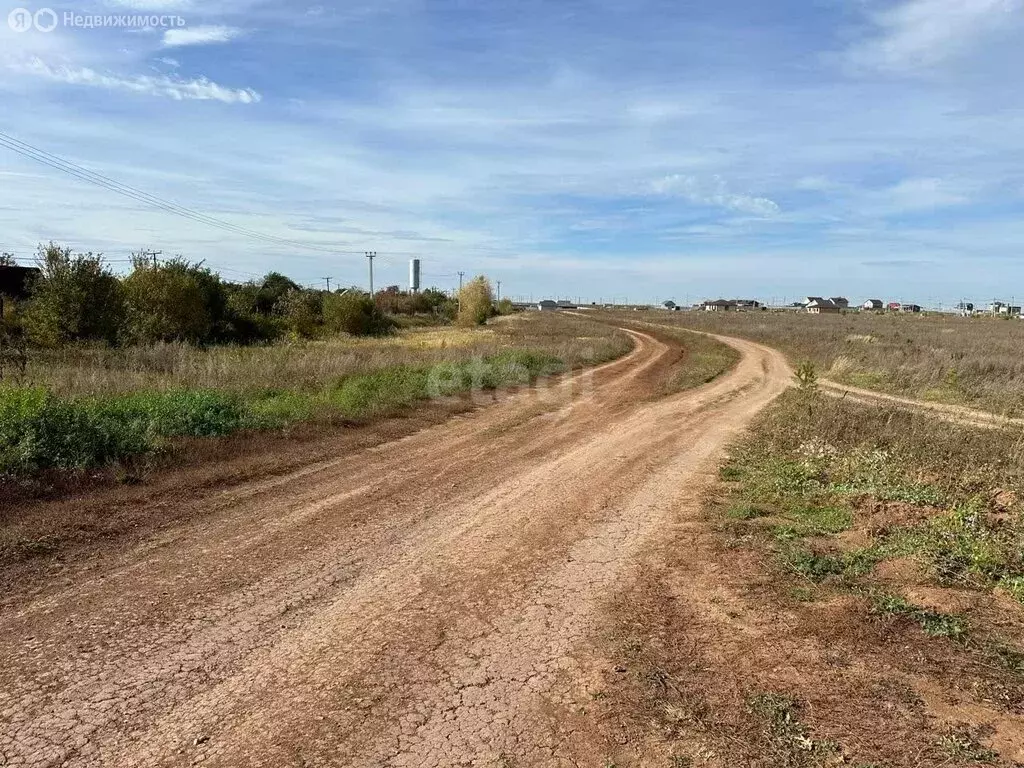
column 171, row 301
column 354, row 313
column 476, row 302
column 75, row 298
column 273, row 291
column 302, row 312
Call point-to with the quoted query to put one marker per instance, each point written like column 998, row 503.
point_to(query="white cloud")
column 918, row 34
column 922, row 194
column 203, row 35
column 713, row 192
column 152, row 85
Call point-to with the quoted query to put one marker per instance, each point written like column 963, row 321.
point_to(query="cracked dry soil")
column 431, row 601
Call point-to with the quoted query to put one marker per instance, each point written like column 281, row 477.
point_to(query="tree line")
column 78, row 298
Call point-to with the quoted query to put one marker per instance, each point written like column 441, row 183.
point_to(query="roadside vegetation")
column 976, row 362
column 909, row 534
column 96, row 368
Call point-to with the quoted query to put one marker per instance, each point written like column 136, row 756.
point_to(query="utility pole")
column 460, row 280
column 371, row 255
column 146, row 254
column 328, row 284
column 499, row 290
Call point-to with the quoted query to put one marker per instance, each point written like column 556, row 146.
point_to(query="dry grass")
column 969, row 361
column 309, row 365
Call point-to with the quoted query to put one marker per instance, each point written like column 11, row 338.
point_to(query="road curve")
column 427, row 602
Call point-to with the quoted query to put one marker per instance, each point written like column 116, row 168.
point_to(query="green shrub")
column 476, row 302
column 355, row 314
column 302, row 312
column 76, row 298
column 169, row 302
column 39, row 431
column 187, row 413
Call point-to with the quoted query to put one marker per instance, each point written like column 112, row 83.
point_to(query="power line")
column 84, row 174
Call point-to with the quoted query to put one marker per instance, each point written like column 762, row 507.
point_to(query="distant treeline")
column 78, row 298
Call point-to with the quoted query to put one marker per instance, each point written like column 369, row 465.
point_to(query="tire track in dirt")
column 954, row 414
column 421, row 602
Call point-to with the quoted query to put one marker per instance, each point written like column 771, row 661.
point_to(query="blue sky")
column 595, row 148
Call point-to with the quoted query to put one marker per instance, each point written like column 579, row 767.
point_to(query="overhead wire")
column 53, row 161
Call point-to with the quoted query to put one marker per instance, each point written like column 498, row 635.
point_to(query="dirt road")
column 428, row 602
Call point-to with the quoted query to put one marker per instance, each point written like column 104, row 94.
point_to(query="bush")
column 76, row 298
column 172, row 301
column 476, row 302
column 40, row 431
column 302, row 312
column 354, row 313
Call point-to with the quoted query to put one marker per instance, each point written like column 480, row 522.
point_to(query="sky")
column 639, row 150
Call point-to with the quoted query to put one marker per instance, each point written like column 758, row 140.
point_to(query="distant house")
column 565, row 304
column 671, row 306
column 820, row 306
column 719, row 305
column 15, row 282
column 872, row 305
column 547, row 305
column 841, row 302
column 910, row 308
column 894, row 306
column 965, row 308
column 1001, row 308
column 747, row 304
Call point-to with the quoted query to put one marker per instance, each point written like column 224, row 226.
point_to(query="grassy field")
column 83, row 407
column 978, row 362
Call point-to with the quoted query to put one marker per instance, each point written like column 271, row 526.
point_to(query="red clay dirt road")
column 428, row 602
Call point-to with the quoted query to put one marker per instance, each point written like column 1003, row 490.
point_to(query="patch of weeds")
column 802, row 594
column 962, row 744
column 963, row 548
column 731, row 472
column 789, row 738
column 1009, row 658
column 1014, row 586
column 743, row 511
column 819, row 566
column 814, row 520
column 933, row 623
column 813, row 566
column 680, row 761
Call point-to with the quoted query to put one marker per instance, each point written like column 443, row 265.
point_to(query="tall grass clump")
column 476, row 302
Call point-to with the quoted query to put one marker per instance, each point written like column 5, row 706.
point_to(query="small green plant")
column 961, row 744
column 806, row 375
column 934, row 623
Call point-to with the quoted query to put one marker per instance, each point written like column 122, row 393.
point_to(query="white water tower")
column 414, row 275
